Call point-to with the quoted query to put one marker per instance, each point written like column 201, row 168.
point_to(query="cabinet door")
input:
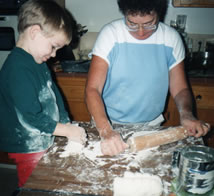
column 204, row 98
column 78, row 111
column 193, row 3
column 204, row 103
column 171, row 114
column 73, row 90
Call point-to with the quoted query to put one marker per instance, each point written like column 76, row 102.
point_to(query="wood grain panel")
column 193, row 3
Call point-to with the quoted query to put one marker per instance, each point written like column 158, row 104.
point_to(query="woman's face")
column 141, row 26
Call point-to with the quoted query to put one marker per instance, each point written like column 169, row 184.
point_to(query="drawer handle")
column 198, row 97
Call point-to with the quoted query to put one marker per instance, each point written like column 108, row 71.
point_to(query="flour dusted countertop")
column 89, row 172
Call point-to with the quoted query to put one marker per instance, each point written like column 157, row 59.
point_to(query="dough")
column 137, row 184
column 72, row 148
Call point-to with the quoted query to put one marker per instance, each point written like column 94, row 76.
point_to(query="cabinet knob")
column 198, row 97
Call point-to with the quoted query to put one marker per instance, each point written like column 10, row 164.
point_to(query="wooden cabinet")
column 193, row 3
column 72, row 87
column 204, row 98
column 171, row 113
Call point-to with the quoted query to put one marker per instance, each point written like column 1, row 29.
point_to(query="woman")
column 135, row 60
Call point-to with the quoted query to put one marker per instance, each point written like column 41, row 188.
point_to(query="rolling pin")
column 165, row 136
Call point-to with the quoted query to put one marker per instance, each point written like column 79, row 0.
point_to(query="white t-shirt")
column 138, row 75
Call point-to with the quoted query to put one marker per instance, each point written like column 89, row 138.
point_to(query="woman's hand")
column 195, row 127
column 112, row 143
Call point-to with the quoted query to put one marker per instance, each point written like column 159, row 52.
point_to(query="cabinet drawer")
column 78, row 111
column 206, row 115
column 204, row 97
column 71, row 81
column 73, row 88
column 73, row 92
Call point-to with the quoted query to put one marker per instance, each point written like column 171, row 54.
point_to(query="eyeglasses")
column 131, row 26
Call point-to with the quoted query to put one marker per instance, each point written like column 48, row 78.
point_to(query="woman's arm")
column 94, row 87
column 183, row 98
column 111, row 141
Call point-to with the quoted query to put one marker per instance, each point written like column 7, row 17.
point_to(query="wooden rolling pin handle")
column 169, row 135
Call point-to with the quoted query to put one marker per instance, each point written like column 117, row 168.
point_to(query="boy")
column 32, row 110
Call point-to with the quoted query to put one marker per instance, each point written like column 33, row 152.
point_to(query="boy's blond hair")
column 48, row 15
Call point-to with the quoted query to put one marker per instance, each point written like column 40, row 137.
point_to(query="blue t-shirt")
column 137, row 81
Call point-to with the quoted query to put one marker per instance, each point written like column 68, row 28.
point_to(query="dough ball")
column 137, row 184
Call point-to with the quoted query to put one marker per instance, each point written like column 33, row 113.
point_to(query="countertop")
column 72, row 74
column 195, row 78
column 192, row 71
column 91, row 173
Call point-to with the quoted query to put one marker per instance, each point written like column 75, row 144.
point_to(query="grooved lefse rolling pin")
column 166, row 136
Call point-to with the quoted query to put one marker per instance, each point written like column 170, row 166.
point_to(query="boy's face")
column 44, row 47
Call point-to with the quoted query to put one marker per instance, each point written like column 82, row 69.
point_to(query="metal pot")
column 196, row 169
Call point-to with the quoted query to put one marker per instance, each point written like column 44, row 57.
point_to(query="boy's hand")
column 76, row 134
column 72, row 132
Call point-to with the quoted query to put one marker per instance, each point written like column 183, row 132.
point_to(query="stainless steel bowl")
column 196, row 169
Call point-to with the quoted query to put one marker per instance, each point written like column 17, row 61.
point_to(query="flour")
column 48, row 98
column 72, row 148
column 94, row 154
column 93, row 150
column 137, row 184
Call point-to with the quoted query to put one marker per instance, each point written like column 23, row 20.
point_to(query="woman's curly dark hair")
column 142, row 7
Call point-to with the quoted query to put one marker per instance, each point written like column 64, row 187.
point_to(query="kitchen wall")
column 95, row 13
